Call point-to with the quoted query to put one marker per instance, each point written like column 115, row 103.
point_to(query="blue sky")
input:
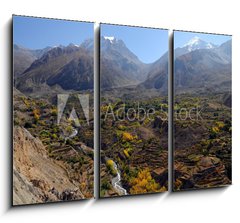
column 146, row 43
column 37, row 33
column 181, row 38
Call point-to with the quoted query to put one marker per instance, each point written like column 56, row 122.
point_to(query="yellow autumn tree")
column 36, row 114
column 144, row 183
column 215, row 129
column 110, row 166
column 126, row 153
column 127, row 136
column 26, row 102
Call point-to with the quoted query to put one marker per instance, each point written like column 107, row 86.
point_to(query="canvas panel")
column 133, row 110
column 202, row 110
column 52, row 110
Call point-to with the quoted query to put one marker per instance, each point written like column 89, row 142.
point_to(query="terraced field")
column 202, row 141
column 134, row 136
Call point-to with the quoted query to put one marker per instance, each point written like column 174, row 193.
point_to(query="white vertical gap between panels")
column 96, row 108
column 170, row 109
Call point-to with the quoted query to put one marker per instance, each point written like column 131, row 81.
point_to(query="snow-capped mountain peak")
column 195, row 40
column 196, row 43
column 72, row 45
column 110, row 38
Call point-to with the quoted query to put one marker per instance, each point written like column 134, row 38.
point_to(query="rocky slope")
column 50, row 163
column 119, row 66
column 68, row 68
column 23, row 58
column 36, row 177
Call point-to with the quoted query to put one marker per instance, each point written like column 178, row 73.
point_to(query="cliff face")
column 36, row 177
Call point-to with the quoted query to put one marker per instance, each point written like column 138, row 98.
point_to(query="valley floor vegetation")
column 202, row 146
column 136, row 142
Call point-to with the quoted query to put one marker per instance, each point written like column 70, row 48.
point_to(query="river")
column 116, row 182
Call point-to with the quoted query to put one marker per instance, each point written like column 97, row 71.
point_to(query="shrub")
column 41, row 123
column 16, row 121
column 212, row 135
column 69, row 129
column 50, row 149
column 69, row 142
column 28, row 125
column 44, row 133
column 54, row 136
column 105, row 185
column 73, row 159
column 102, row 193
column 54, row 112
column 55, row 130
column 26, row 102
column 220, row 125
column 61, row 139
column 42, row 104
column 121, row 127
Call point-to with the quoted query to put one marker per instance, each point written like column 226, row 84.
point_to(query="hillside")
column 70, row 68
column 196, row 67
column 36, row 177
column 23, row 58
column 50, row 163
column 118, row 65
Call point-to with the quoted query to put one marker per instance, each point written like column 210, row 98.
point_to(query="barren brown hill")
column 38, row 178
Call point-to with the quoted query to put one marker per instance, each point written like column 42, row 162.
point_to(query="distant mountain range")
column 119, row 66
column 198, row 65
column 24, row 57
column 196, row 43
column 70, row 68
column 208, row 67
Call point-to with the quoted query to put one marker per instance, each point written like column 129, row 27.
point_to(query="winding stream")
column 73, row 134
column 116, row 182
